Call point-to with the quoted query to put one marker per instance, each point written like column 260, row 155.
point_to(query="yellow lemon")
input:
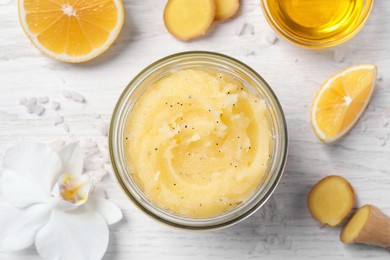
column 71, row 30
column 341, row 101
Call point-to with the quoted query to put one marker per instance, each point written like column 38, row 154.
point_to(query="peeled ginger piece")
column 331, row 200
column 367, row 226
column 188, row 19
column 226, row 9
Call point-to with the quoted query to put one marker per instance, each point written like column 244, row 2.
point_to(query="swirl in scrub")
column 197, row 143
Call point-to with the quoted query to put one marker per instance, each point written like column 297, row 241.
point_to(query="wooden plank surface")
column 283, row 227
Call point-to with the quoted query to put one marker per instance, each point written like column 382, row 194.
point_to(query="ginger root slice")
column 226, row 9
column 331, row 200
column 367, row 226
column 189, row 19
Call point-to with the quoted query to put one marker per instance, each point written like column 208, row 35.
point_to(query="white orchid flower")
column 50, row 204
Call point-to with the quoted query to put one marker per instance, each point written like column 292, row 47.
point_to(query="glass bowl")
column 254, row 84
column 288, row 33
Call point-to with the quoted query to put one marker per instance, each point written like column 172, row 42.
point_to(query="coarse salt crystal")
column 38, row 110
column 43, row 100
column 31, row 101
column 66, row 127
column 271, row 38
column 339, row 55
column 58, row 120
column 103, row 129
column 55, row 105
column 72, row 95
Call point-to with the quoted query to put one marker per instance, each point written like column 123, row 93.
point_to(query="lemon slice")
column 71, row 30
column 341, row 101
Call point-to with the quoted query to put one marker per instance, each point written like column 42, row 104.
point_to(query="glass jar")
column 254, row 84
column 317, row 24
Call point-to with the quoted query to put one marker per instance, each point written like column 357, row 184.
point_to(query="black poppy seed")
column 235, row 166
column 174, row 184
column 230, row 204
column 200, row 205
column 171, row 106
column 249, row 147
column 185, row 126
column 216, row 143
column 228, row 92
column 155, row 149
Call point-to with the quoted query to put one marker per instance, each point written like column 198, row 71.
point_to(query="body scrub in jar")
column 198, row 146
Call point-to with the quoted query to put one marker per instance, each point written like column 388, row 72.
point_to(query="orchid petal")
column 21, row 192
column 38, row 163
column 109, row 211
column 19, row 227
column 72, row 158
column 73, row 236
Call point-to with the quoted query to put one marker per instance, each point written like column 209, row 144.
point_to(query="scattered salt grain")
column 90, row 144
column 43, row 100
column 91, row 152
column 99, row 175
column 99, row 190
column 103, row 129
column 339, row 55
column 30, row 108
column 58, row 120
column 55, row 105
column 245, row 28
column 66, row 127
column 271, row 38
column 72, row 95
column 31, row 101
column 38, row 110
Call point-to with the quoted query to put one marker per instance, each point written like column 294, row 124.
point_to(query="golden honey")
column 317, row 23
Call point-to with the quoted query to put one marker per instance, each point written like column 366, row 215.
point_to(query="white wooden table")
column 283, row 227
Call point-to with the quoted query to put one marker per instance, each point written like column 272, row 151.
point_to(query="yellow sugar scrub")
column 197, row 142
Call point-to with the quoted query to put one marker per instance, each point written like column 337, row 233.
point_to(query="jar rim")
column 120, row 170
column 312, row 45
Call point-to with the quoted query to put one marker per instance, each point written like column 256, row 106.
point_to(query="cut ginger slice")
column 188, row 19
column 226, row 9
column 367, row 226
column 71, row 30
column 341, row 101
column 331, row 200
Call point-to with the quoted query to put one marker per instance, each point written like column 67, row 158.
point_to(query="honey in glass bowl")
column 317, row 23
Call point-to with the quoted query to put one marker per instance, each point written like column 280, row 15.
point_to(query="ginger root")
column 367, row 226
column 331, row 200
column 226, row 9
column 188, row 19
